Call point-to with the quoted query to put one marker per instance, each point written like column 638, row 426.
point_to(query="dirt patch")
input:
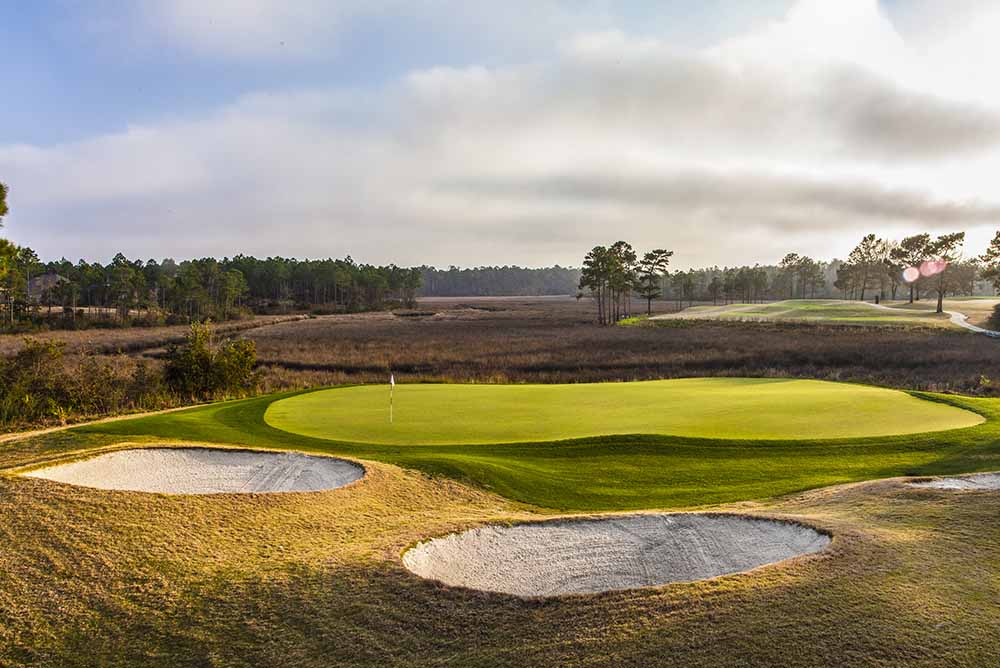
column 583, row 556
column 205, row 471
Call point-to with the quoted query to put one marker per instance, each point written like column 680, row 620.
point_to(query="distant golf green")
column 721, row 408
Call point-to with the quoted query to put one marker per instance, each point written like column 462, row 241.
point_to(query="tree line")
column 502, row 281
column 921, row 263
column 880, row 269
column 131, row 291
column 154, row 292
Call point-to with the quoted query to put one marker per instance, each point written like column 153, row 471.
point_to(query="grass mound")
column 602, row 473
column 717, row 408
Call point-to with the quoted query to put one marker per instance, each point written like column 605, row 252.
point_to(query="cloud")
column 609, row 85
column 880, row 120
column 726, row 199
column 727, row 154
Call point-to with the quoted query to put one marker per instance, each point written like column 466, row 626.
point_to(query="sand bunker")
column 205, row 471
column 594, row 555
column 978, row 481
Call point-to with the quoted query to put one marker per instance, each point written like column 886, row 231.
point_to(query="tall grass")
column 557, row 342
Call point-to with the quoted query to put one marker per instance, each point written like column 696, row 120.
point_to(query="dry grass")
column 129, row 339
column 556, row 341
column 91, row 578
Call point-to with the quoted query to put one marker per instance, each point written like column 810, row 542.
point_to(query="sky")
column 485, row 133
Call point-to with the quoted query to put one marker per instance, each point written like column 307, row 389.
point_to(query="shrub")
column 34, row 386
column 199, row 369
column 38, row 386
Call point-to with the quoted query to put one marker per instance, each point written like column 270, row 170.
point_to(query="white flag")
column 392, row 380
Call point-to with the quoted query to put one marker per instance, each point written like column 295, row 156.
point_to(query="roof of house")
column 43, row 282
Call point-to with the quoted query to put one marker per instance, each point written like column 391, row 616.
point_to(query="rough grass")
column 95, row 578
column 979, row 310
column 727, row 408
column 825, row 311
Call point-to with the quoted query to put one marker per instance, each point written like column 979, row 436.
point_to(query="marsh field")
column 909, row 576
column 512, row 340
column 555, row 340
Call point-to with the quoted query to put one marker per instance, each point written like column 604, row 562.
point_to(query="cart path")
column 956, row 318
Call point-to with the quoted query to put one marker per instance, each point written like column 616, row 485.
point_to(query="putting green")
column 725, row 408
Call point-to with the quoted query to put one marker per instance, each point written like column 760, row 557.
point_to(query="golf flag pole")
column 392, row 387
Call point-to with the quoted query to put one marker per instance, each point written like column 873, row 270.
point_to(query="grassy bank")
column 603, row 473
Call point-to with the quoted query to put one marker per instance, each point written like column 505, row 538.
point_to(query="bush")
column 199, row 369
column 994, row 321
column 37, row 386
column 34, row 386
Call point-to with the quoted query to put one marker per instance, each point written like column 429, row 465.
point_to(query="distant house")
column 42, row 285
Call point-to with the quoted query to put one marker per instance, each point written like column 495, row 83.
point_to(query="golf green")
column 723, row 408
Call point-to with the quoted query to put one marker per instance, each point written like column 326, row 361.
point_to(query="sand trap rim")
column 94, row 453
column 565, row 519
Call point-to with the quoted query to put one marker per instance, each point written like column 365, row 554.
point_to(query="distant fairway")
column 722, row 408
column 819, row 311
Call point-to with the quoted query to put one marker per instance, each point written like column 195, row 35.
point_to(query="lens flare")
column 911, row 274
column 932, row 267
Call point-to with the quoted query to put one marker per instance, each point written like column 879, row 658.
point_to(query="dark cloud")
column 877, row 118
column 693, row 102
column 769, row 201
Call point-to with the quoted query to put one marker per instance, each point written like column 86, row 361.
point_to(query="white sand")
column 205, row 471
column 594, row 555
column 978, row 481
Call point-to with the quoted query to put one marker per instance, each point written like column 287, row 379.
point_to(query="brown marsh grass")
column 557, row 341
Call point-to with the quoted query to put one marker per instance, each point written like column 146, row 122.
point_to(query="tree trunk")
column 940, row 291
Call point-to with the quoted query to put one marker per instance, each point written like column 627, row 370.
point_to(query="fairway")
column 815, row 311
column 718, row 408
